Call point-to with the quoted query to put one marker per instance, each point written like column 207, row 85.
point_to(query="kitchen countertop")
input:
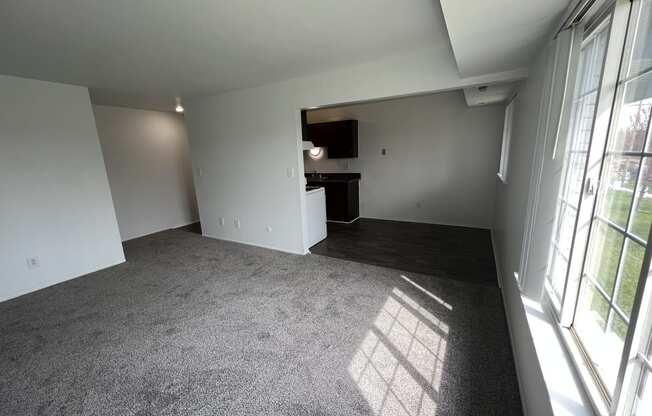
column 314, row 189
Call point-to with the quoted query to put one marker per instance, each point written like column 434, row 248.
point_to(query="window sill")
column 586, row 378
column 565, row 389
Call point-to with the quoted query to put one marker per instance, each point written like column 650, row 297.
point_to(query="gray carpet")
column 196, row 326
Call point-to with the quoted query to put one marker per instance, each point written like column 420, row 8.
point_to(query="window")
column 599, row 249
column 507, row 136
column 591, row 62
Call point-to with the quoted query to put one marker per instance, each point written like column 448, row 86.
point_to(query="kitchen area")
column 404, row 182
column 330, row 196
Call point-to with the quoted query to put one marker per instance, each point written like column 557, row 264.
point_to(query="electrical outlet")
column 269, row 228
column 222, row 221
column 289, row 172
column 383, row 151
column 236, row 222
column 33, row 263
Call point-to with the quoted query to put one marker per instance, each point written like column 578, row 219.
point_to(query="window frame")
column 633, row 370
column 507, row 139
column 582, row 36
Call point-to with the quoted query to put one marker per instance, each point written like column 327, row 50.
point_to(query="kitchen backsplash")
column 329, row 165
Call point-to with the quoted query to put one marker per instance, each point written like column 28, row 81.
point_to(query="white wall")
column 55, row 202
column 511, row 203
column 518, row 213
column 244, row 142
column 441, row 161
column 148, row 163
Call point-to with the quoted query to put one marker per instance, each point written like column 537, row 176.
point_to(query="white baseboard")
column 158, row 230
column 344, row 222
column 247, row 243
column 65, row 279
column 427, row 222
column 519, row 375
column 499, row 274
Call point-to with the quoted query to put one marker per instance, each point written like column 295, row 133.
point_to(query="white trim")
column 581, row 370
column 35, row 289
column 562, row 377
column 551, row 375
column 449, row 224
column 246, row 243
column 345, row 222
column 499, row 275
column 158, row 231
column 519, row 376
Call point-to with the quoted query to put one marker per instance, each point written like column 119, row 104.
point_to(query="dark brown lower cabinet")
column 342, row 198
column 342, row 201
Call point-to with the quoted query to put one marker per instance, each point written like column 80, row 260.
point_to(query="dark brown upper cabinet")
column 339, row 137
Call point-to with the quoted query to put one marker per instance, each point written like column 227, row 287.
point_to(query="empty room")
column 266, row 207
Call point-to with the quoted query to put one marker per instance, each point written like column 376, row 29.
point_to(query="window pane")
column 591, row 60
column 631, row 270
column 642, row 210
column 603, row 347
column 558, row 274
column 585, row 115
column 593, row 308
column 618, row 327
column 604, row 255
column 566, row 230
column 611, row 350
column 633, row 115
column 617, row 188
column 575, row 174
column 642, row 53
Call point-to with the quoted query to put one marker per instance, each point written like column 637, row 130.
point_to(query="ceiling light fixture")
column 179, row 107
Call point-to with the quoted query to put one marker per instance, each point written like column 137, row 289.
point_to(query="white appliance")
column 316, row 215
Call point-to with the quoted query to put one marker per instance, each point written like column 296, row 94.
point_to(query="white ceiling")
column 497, row 35
column 143, row 53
